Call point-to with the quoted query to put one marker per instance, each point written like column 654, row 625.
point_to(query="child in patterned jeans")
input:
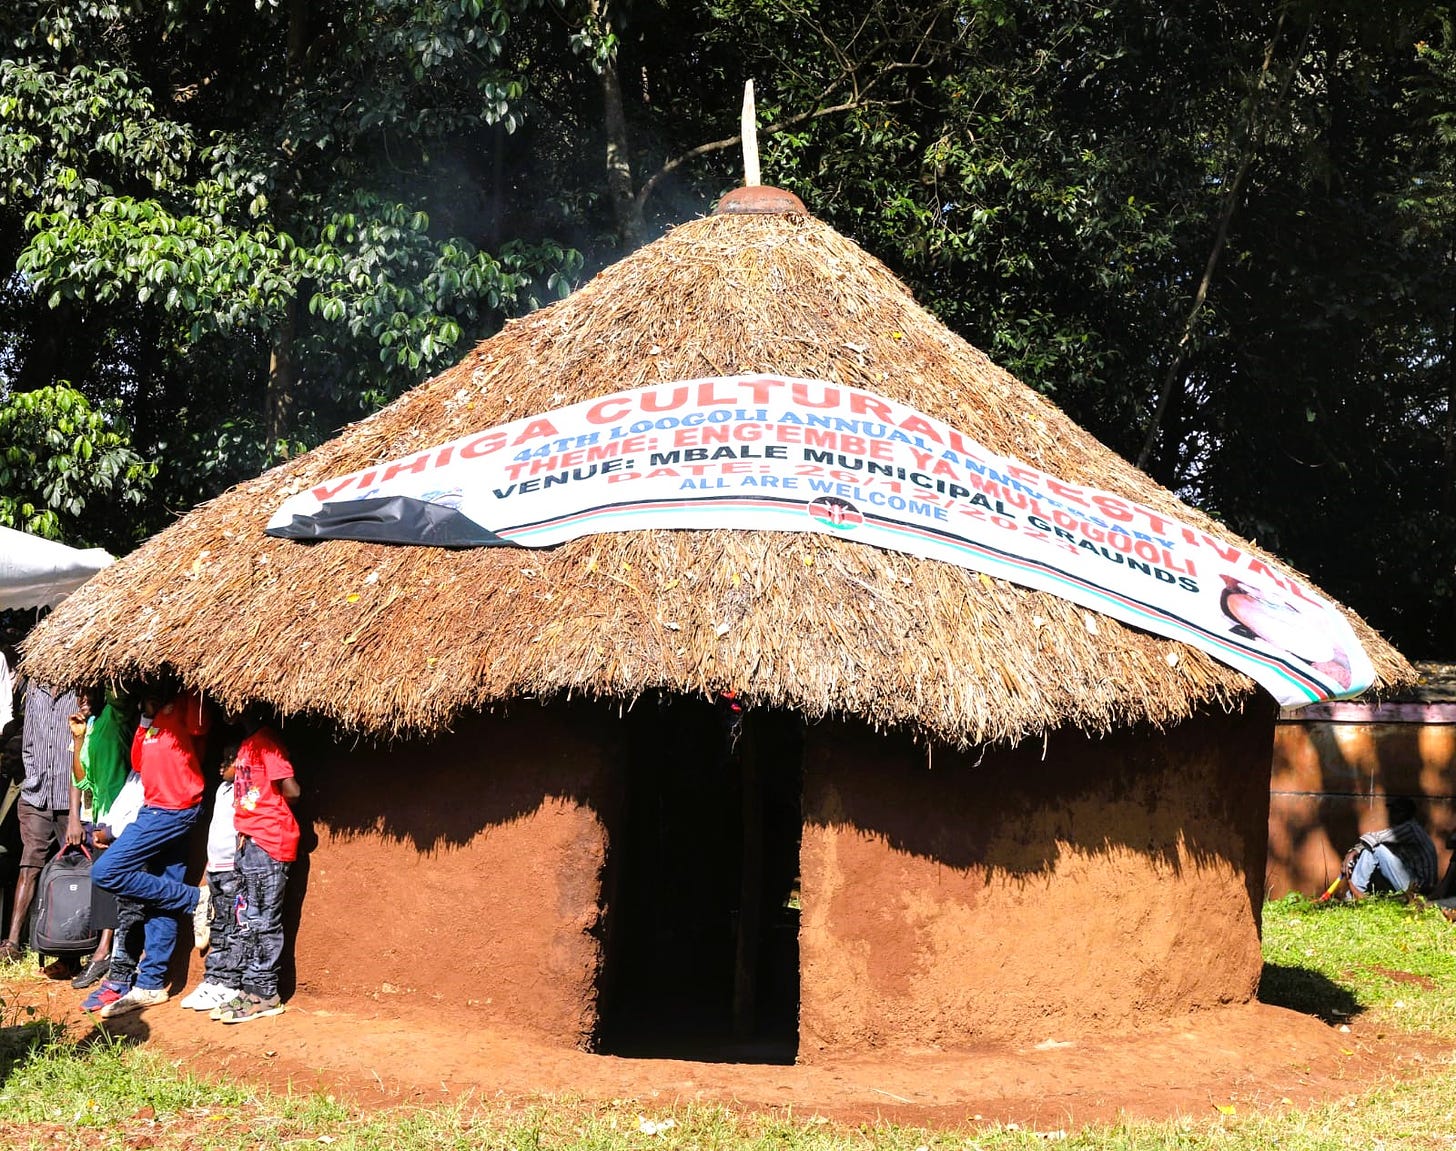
column 263, row 791
column 222, row 970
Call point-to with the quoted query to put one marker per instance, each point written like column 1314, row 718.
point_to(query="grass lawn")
column 1392, row 966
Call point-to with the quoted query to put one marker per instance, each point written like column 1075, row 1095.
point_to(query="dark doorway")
column 701, row 931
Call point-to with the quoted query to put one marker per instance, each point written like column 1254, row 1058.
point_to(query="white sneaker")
column 207, row 996
column 202, row 918
column 135, row 1000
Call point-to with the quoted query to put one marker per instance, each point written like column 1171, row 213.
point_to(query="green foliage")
column 66, row 471
column 255, row 221
column 232, row 181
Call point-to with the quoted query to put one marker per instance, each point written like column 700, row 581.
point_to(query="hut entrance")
column 701, row 934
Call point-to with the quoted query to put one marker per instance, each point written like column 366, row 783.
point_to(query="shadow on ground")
column 1308, row 992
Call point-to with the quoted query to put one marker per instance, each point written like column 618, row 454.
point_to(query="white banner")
column 766, row 453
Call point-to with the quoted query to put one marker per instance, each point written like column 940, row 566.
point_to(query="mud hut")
column 937, row 808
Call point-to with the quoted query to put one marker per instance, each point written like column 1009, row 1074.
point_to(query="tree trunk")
column 280, row 394
column 1176, row 378
column 280, row 398
column 625, row 207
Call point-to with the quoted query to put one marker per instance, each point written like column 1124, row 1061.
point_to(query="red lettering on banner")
column 535, row 430
column 444, row 457
column 1112, row 507
column 1155, row 522
column 958, row 444
column 652, row 401
column 324, row 492
column 418, row 464
column 759, row 389
column 599, row 414
column 922, row 427
column 800, row 392
column 1227, row 552
column 862, row 405
column 483, row 445
column 1066, row 491
column 707, row 395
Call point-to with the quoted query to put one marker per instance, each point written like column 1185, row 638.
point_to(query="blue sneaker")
column 107, row 993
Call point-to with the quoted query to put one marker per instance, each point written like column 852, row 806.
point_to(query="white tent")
column 40, row 573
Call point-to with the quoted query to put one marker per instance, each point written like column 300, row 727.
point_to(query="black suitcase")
column 62, row 923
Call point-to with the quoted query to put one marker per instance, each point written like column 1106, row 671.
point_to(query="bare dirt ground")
column 1251, row 1058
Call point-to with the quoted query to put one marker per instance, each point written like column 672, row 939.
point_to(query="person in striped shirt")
column 45, row 797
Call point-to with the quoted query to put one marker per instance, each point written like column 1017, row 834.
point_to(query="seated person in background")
column 1399, row 858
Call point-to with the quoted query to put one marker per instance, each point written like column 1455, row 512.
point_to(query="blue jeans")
column 147, row 864
column 224, row 964
column 260, row 917
column 1379, row 858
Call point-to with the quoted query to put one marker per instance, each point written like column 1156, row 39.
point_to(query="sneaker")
column 107, row 993
column 209, row 995
column 202, row 918
column 94, row 972
column 252, row 1007
column 135, row 1000
column 228, row 1007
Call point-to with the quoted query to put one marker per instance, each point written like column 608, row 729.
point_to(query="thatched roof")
column 395, row 640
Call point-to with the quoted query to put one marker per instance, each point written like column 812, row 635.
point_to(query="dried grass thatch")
column 395, row 640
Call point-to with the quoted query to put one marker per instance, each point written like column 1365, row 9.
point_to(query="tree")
column 1220, row 236
column 67, row 472
column 250, row 188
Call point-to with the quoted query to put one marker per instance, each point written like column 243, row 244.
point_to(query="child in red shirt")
column 263, row 791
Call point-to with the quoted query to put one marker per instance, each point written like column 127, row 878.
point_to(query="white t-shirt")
column 126, row 806
column 7, row 691
column 222, row 840
column 88, row 813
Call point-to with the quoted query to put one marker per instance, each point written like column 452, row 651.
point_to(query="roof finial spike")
column 750, row 138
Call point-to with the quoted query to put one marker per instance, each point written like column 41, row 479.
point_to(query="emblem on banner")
column 833, row 512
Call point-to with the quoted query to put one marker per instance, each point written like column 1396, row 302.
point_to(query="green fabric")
column 104, row 757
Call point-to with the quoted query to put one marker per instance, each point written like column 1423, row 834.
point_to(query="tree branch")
column 1173, row 381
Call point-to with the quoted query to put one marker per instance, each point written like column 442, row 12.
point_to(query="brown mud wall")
column 1327, row 787
column 1029, row 894
column 462, row 873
